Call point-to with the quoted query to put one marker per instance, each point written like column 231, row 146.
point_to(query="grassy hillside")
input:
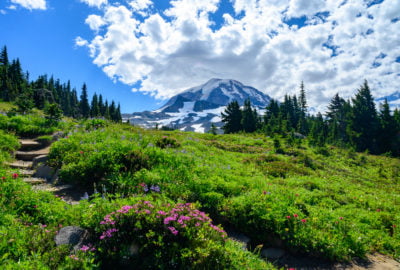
column 325, row 202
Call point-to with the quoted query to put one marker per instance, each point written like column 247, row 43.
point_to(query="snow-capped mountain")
column 197, row 108
column 393, row 100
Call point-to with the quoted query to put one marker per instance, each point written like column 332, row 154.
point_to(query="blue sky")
column 141, row 52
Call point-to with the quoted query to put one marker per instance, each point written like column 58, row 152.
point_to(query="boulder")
column 272, row 253
column 74, row 236
column 39, row 159
column 44, row 171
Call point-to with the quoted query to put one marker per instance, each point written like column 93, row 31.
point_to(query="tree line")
column 355, row 123
column 15, row 86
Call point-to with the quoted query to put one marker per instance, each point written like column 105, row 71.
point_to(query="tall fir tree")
column 249, row 119
column 336, row 118
column 84, row 103
column 94, row 107
column 232, row 117
column 387, row 130
column 363, row 122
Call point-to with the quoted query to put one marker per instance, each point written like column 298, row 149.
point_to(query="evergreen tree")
column 302, row 112
column 318, row 131
column 232, row 117
column 387, row 130
column 94, row 108
column 113, row 111
column 107, row 111
column 337, row 122
column 363, row 120
column 118, row 117
column 249, row 119
column 84, row 103
column 213, row 130
column 102, row 108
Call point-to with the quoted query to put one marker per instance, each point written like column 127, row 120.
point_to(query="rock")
column 58, row 135
column 133, row 249
column 39, row 159
column 272, row 253
column 239, row 237
column 44, row 171
column 74, row 236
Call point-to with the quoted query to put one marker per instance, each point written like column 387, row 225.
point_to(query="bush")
column 167, row 142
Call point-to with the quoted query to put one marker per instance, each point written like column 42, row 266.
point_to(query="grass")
column 325, row 202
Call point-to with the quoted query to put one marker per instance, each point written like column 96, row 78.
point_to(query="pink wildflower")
column 15, row 175
column 296, row 215
column 173, row 230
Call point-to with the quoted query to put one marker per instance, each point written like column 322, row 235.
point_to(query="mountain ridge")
column 196, row 108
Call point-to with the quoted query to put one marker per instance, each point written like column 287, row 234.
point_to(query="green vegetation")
column 352, row 124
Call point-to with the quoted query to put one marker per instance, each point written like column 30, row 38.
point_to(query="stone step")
column 19, row 164
column 27, row 145
column 25, row 172
column 34, row 181
column 30, row 155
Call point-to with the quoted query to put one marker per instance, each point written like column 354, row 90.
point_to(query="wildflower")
column 288, row 217
column 162, row 213
column 85, row 196
column 341, row 218
column 85, row 248
column 74, row 257
column 303, row 220
column 296, row 215
column 378, row 210
column 173, row 230
column 81, row 152
column 3, row 178
column 147, row 211
column 44, row 226
column 15, row 175
column 297, row 195
column 286, row 229
column 155, row 188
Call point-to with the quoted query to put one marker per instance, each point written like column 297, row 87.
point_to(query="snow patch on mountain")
column 197, row 108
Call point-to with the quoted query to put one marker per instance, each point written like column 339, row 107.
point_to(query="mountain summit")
column 197, row 108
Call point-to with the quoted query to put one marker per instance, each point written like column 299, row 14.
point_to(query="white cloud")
column 140, row 4
column 95, row 3
column 31, row 4
column 182, row 47
column 95, row 22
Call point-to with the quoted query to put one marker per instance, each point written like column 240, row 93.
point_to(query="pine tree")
column 118, row 117
column 84, row 103
column 363, row 122
column 387, row 129
column 94, row 108
column 102, row 108
column 249, row 119
column 302, row 123
column 232, row 117
column 318, row 131
column 336, row 118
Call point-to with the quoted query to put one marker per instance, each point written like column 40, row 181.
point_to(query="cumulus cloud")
column 31, row 4
column 95, row 3
column 95, row 22
column 338, row 46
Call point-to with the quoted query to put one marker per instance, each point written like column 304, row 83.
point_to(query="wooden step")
column 34, row 181
column 27, row 145
column 19, row 164
column 30, row 155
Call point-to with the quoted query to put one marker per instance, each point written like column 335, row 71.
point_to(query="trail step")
column 30, row 155
column 27, row 145
column 25, row 172
column 34, row 181
column 19, row 164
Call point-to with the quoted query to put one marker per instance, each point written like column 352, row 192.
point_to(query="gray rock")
column 44, row 171
column 58, row 135
column 39, row 159
column 272, row 253
column 74, row 236
column 239, row 237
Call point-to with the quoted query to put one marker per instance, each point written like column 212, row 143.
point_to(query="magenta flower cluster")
column 173, row 219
